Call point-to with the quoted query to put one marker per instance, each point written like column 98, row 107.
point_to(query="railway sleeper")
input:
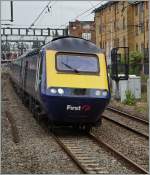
column 90, row 163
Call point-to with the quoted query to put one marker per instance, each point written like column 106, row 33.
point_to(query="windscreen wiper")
column 70, row 67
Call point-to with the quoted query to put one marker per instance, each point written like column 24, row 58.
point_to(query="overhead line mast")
column 11, row 6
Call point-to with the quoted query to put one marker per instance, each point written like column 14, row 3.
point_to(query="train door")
column 38, row 74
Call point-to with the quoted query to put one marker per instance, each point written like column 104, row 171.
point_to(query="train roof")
column 72, row 44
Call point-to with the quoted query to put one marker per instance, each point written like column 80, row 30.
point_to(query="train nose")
column 75, row 110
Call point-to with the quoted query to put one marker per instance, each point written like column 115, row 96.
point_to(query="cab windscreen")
column 77, row 63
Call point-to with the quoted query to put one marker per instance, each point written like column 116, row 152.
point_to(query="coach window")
column 40, row 71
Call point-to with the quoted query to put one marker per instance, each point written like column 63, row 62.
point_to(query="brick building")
column 84, row 29
column 122, row 23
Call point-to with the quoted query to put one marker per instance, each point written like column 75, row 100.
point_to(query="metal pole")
column 11, row 6
column 6, row 45
column 117, row 94
column 144, row 35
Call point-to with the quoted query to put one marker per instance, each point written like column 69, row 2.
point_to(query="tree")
column 135, row 59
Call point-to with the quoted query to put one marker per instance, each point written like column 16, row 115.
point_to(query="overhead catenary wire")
column 82, row 13
column 47, row 6
column 33, row 23
column 49, row 10
column 102, row 4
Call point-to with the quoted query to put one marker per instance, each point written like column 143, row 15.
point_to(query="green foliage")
column 135, row 59
column 130, row 99
column 144, row 78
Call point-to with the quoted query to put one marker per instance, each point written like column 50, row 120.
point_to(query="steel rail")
column 103, row 144
column 126, row 127
column 127, row 115
column 64, row 147
column 109, row 147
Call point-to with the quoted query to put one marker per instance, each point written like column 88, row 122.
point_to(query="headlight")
column 53, row 91
column 104, row 93
column 98, row 92
column 60, row 91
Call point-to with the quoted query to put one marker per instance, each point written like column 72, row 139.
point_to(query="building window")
column 124, row 41
column 109, row 8
column 104, row 44
column 142, row 47
column 100, row 44
column 142, row 27
column 115, row 26
column 86, row 36
column 136, row 30
column 103, row 27
column 117, row 7
column 136, row 10
column 123, row 5
column 116, row 42
column 141, row 7
column 147, row 25
column 146, row 4
column 141, row 17
column 123, row 23
column 86, row 27
column 100, row 29
column 136, row 47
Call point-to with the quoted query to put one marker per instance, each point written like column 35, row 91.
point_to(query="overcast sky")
column 61, row 12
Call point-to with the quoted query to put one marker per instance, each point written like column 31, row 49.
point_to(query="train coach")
column 65, row 79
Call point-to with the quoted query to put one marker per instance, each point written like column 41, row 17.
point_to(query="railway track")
column 128, row 115
column 76, row 148
column 127, row 121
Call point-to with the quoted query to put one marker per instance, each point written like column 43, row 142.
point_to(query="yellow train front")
column 74, row 85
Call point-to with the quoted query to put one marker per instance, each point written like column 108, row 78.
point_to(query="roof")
column 82, row 22
column 72, row 44
column 107, row 4
column 134, row 2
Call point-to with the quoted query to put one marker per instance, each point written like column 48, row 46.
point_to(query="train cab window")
column 77, row 63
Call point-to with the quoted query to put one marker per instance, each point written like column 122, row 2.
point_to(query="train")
column 66, row 80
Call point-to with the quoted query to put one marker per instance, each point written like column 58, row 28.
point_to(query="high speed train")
column 66, row 79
